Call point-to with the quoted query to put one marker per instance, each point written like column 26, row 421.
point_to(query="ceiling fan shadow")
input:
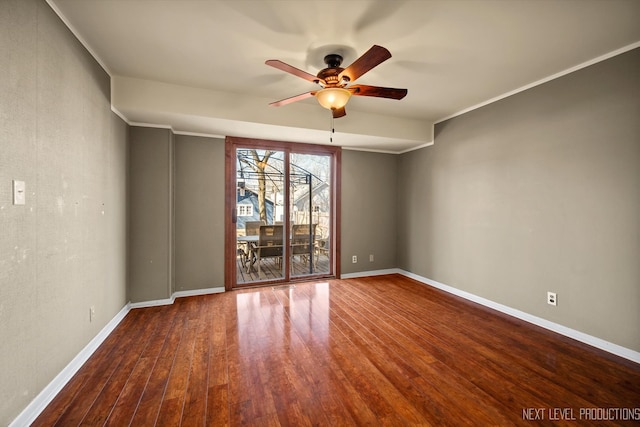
column 267, row 15
column 416, row 66
column 392, row 22
column 429, row 59
column 377, row 12
column 266, row 79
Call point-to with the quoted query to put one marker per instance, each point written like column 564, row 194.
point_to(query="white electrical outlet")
column 552, row 298
column 354, row 259
column 92, row 313
column 19, row 192
column 370, row 257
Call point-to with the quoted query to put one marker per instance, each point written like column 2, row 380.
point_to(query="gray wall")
column 150, row 206
column 176, row 213
column 538, row 192
column 369, row 185
column 199, row 212
column 65, row 250
column 194, row 206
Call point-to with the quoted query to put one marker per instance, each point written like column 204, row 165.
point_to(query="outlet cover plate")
column 19, row 192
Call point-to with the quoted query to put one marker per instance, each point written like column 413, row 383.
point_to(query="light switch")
column 19, row 192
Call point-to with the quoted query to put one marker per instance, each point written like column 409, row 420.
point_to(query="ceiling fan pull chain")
column 332, row 130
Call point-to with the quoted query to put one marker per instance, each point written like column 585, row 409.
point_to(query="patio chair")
column 251, row 228
column 269, row 244
column 323, row 247
column 300, row 243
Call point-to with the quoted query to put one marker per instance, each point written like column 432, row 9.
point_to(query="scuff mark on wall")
column 19, row 255
column 60, row 204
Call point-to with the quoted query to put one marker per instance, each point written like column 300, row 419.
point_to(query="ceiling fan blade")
column 377, row 91
column 275, row 63
column 338, row 112
column 292, row 99
column 371, row 58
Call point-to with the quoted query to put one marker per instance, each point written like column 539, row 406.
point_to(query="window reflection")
column 276, row 318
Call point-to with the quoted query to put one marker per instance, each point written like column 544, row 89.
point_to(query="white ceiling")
column 198, row 66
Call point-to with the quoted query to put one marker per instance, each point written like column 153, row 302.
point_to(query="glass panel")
column 310, row 207
column 260, row 211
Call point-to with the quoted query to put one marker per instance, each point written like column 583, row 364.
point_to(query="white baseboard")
column 37, row 405
column 152, row 303
column 178, row 294
column 607, row 346
column 371, row 273
column 207, row 291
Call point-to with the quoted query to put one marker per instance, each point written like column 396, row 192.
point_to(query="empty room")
column 319, row 212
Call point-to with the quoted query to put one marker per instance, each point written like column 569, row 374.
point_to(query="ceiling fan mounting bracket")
column 333, row 60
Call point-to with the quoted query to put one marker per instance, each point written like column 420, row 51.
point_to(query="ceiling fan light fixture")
column 333, row 98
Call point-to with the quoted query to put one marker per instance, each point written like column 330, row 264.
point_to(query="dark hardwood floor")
column 383, row 350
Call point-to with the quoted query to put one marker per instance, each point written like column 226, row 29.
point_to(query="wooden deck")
column 272, row 270
column 382, row 350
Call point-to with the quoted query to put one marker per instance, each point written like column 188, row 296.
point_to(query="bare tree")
column 259, row 165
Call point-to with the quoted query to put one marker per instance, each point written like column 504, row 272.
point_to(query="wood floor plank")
column 108, row 397
column 131, row 395
column 374, row 387
column 419, row 393
column 171, row 410
column 382, row 350
column 455, row 391
column 194, row 413
column 154, row 392
column 456, row 353
column 333, row 377
column 218, row 406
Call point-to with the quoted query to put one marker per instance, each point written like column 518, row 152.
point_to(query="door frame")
column 232, row 143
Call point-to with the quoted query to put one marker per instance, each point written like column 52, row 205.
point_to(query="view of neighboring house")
column 247, row 208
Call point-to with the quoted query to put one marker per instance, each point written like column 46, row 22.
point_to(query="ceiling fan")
column 336, row 82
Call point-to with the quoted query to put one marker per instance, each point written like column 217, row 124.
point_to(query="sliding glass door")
column 260, row 212
column 281, row 199
column 310, row 214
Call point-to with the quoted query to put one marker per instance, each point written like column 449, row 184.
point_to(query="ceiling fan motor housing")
column 331, row 73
